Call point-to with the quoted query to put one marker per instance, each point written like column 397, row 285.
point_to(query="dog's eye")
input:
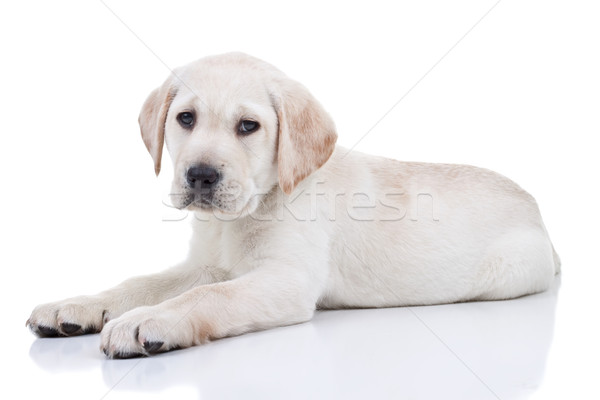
column 247, row 127
column 186, row 119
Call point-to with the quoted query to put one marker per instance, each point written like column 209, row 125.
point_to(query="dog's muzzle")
column 202, row 180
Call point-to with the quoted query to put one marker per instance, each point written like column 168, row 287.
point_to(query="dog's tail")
column 557, row 262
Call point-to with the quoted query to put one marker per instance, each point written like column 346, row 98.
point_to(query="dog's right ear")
column 152, row 120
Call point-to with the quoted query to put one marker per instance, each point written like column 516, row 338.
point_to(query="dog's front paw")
column 145, row 331
column 71, row 317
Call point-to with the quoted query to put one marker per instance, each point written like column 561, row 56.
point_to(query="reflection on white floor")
column 480, row 350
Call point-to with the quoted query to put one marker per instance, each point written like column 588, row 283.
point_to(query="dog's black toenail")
column 46, row 331
column 105, row 351
column 121, row 355
column 152, row 347
column 69, row 328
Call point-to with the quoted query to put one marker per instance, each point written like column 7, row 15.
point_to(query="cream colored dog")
column 286, row 222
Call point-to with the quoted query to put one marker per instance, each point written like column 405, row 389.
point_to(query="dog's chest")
column 227, row 246
column 237, row 254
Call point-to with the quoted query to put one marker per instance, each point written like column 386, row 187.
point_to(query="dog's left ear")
column 307, row 135
column 152, row 120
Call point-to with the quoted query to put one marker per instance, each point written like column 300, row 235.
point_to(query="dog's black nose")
column 202, row 177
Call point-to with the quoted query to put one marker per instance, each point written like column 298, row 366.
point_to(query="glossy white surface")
column 461, row 351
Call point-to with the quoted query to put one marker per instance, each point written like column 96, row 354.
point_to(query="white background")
column 82, row 209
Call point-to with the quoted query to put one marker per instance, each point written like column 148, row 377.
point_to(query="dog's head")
column 235, row 127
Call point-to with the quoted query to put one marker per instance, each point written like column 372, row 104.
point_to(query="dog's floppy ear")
column 152, row 120
column 307, row 135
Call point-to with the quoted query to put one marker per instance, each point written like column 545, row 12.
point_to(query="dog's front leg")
column 267, row 297
column 88, row 314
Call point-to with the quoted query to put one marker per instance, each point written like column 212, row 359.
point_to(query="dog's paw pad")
column 153, row 347
column 46, row 331
column 69, row 328
column 123, row 355
column 91, row 329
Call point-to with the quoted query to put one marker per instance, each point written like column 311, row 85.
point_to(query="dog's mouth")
column 215, row 201
column 196, row 201
column 201, row 202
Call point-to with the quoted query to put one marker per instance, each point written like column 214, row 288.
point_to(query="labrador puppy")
column 287, row 222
